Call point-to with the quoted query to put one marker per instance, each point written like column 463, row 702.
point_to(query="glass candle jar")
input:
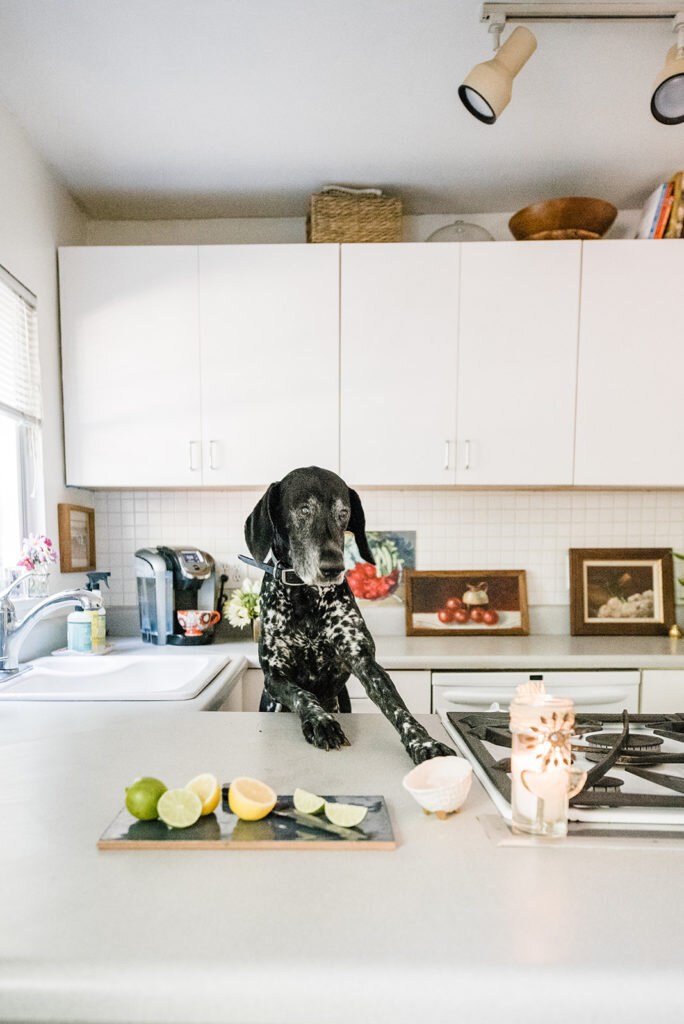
column 541, row 763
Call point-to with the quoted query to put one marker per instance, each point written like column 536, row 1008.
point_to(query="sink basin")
column 116, row 677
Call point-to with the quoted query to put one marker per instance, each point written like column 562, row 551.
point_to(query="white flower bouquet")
column 37, row 549
column 243, row 606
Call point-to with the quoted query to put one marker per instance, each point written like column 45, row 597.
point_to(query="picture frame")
column 76, row 538
column 497, row 597
column 621, row 591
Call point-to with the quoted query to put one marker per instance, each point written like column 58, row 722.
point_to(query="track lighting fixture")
column 487, row 89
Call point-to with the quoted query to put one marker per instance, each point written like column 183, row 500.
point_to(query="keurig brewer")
column 172, row 580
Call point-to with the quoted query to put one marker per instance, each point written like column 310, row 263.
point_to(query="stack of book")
column 663, row 214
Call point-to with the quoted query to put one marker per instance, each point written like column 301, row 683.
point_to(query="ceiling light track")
column 577, row 11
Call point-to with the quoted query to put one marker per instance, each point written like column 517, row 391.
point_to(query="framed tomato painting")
column 455, row 602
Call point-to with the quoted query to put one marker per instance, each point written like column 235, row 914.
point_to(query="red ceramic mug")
column 194, row 621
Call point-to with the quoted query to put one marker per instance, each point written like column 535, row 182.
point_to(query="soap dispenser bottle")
column 98, row 616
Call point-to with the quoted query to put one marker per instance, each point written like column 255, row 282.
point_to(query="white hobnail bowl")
column 441, row 784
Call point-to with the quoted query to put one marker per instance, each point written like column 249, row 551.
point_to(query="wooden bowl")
column 574, row 217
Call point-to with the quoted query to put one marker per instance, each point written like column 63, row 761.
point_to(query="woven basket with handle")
column 340, row 215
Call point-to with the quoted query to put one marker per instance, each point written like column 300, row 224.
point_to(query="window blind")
column 19, row 362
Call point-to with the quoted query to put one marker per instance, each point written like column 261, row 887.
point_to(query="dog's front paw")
column 426, row 749
column 324, row 732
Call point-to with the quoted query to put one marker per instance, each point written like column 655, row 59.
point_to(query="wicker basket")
column 337, row 216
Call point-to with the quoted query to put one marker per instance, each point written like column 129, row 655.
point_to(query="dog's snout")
column 331, row 572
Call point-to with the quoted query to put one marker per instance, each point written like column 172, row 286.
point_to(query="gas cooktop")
column 634, row 765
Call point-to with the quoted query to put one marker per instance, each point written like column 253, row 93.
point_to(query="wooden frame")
column 76, row 538
column 604, row 582
column 503, row 590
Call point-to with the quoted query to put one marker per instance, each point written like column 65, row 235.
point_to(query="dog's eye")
column 343, row 516
column 304, row 512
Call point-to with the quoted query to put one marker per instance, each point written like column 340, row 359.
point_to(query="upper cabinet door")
column 398, row 366
column 130, row 365
column 631, row 365
column 631, row 362
column 269, row 327
column 517, row 362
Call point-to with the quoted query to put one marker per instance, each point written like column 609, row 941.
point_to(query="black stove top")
column 636, row 747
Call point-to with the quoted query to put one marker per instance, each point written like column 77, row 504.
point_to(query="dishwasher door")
column 591, row 690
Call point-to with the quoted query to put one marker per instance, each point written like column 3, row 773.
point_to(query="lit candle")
column 541, row 728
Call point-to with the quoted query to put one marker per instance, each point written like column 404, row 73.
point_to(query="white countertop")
column 512, row 652
column 448, row 927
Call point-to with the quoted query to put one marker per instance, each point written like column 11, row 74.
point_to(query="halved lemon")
column 208, row 790
column 347, row 815
column 179, row 808
column 250, row 799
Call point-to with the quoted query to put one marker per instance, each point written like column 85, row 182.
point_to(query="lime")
column 142, row 797
column 208, row 790
column 250, row 799
column 307, row 803
column 347, row 815
column 179, row 808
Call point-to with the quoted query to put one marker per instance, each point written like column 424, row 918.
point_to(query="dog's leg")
column 418, row 743
column 320, row 728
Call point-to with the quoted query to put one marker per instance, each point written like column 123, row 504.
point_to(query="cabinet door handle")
column 191, row 461
column 466, row 464
column 212, row 452
column 446, row 454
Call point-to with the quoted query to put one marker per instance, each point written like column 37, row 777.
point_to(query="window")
column 20, row 417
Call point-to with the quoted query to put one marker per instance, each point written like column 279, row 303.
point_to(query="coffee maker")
column 172, row 580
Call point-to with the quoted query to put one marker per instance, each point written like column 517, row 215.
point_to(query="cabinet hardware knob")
column 191, row 451
column 212, row 452
column 467, row 455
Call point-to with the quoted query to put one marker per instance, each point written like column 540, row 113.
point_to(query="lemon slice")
column 307, row 803
column 208, row 790
column 179, row 808
column 347, row 815
column 250, row 799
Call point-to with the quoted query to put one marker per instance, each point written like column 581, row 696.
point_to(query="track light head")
column 487, row 90
column 667, row 101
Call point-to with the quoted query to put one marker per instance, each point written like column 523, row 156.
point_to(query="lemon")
column 250, row 799
column 208, row 790
column 179, row 808
column 307, row 803
column 142, row 797
column 347, row 815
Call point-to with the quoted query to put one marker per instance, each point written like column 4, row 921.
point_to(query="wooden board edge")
column 196, row 844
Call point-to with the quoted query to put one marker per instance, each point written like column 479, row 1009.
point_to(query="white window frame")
column 31, row 484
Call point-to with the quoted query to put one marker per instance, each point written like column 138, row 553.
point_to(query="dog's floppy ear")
column 260, row 528
column 357, row 525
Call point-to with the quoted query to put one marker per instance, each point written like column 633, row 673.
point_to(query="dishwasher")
column 591, row 689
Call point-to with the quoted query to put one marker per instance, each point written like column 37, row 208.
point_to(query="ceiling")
column 151, row 109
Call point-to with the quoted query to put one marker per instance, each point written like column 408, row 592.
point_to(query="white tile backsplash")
column 529, row 530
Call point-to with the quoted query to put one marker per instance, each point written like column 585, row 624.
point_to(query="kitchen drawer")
column 593, row 690
column 662, row 691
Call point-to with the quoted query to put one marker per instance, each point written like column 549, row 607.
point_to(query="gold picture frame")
column 76, row 538
column 500, row 595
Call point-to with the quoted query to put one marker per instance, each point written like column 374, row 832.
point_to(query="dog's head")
column 303, row 519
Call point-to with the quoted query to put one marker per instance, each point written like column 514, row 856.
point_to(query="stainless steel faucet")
column 13, row 632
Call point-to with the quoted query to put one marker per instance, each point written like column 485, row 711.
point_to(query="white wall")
column 37, row 215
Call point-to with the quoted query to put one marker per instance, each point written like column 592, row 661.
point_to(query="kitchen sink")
column 116, row 677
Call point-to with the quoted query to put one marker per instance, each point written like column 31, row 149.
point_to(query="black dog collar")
column 279, row 572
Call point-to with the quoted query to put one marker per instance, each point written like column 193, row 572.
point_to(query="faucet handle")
column 15, row 583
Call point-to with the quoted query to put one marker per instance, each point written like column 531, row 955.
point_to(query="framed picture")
column 394, row 552
column 76, row 538
column 455, row 602
column 621, row 591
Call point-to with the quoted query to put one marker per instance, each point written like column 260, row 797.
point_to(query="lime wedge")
column 347, row 815
column 307, row 803
column 179, row 808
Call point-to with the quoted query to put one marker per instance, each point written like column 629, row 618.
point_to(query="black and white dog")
column 313, row 635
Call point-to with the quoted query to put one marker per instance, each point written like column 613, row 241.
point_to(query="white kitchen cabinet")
column 631, row 364
column 662, row 691
column 269, row 338
column 517, row 358
column 413, row 687
column 183, row 367
column 399, row 321
column 130, row 366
